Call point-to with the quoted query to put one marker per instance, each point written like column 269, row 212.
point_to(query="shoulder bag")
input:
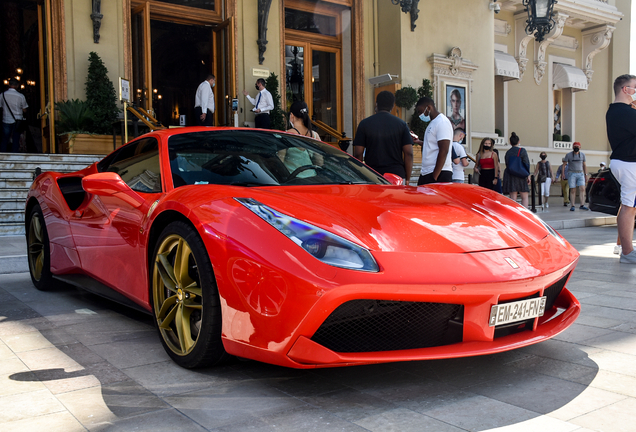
column 20, row 124
column 516, row 166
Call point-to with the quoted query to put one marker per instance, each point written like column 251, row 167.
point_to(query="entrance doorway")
column 25, row 52
column 171, row 57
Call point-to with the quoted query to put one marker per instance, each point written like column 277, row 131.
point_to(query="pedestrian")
column 263, row 104
column 204, row 102
column 577, row 175
column 384, row 140
column 621, row 133
column 514, row 180
column 487, row 165
column 459, row 157
column 436, row 147
column 14, row 106
column 562, row 175
column 300, row 121
column 602, row 167
column 545, row 177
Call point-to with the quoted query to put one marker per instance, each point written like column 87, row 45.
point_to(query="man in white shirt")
column 460, row 159
column 436, row 147
column 13, row 105
column 204, row 102
column 263, row 104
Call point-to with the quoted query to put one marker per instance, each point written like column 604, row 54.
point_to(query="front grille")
column 381, row 325
column 552, row 293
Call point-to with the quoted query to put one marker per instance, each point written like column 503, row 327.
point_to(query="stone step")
column 15, row 193
column 36, row 158
column 13, row 228
column 16, row 174
column 8, row 216
column 12, row 204
column 15, row 183
column 44, row 166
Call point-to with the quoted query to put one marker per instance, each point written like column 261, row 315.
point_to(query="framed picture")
column 456, row 106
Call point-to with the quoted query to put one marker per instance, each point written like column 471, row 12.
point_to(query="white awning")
column 506, row 66
column 565, row 76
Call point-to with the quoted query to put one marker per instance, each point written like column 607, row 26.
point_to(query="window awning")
column 506, row 66
column 565, row 76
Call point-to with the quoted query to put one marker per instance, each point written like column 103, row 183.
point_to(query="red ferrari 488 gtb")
column 286, row 250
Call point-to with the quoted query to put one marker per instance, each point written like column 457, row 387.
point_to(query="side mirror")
column 394, row 179
column 110, row 184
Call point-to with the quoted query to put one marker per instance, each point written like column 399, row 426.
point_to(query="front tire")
column 39, row 250
column 185, row 298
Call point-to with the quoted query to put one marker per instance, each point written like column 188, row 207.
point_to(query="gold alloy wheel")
column 177, row 295
column 36, row 247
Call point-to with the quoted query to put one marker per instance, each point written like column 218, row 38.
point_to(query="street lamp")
column 539, row 17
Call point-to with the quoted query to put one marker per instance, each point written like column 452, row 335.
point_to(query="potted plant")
column 85, row 127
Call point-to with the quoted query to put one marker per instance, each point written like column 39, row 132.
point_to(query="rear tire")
column 39, row 250
column 185, row 298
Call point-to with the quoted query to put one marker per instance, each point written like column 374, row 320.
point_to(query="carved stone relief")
column 594, row 41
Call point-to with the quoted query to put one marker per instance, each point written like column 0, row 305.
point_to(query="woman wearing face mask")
column 513, row 184
column 544, row 176
column 296, row 157
column 300, row 121
column 487, row 165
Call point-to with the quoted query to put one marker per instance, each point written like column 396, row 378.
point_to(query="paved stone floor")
column 70, row 361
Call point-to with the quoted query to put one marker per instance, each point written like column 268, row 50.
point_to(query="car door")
column 107, row 230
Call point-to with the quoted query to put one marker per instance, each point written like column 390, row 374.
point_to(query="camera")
column 497, row 8
column 494, row 6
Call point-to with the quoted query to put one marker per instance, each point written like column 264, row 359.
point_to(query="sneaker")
column 617, row 249
column 583, row 208
column 546, row 205
column 566, row 204
column 630, row 258
column 572, row 208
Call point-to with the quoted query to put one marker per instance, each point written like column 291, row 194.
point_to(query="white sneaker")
column 617, row 249
column 630, row 258
column 546, row 205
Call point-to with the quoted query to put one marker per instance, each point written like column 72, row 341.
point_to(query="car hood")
column 445, row 218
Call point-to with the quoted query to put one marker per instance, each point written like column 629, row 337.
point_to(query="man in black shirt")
column 621, row 133
column 387, row 140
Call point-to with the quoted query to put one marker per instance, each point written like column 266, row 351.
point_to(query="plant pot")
column 86, row 144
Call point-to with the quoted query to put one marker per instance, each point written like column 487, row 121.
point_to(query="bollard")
column 533, row 208
column 470, row 179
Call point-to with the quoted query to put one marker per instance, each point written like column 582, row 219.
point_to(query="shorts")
column 625, row 174
column 576, row 179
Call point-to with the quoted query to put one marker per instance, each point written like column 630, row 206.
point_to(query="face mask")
column 256, row 85
column 487, row 147
column 576, row 149
column 633, row 96
column 543, row 157
column 425, row 118
column 291, row 122
column 213, row 84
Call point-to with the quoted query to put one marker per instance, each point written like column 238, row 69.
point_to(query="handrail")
column 339, row 136
column 141, row 114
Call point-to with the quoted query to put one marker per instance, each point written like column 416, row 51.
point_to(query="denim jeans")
column 10, row 129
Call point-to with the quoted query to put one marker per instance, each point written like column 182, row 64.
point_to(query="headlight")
column 552, row 232
column 323, row 245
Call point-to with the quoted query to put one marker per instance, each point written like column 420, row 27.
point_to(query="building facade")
column 486, row 72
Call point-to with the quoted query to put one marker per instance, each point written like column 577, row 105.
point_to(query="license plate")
column 516, row 311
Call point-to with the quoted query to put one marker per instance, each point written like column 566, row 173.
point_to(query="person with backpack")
column 517, row 173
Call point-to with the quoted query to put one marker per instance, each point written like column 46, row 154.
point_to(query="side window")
column 138, row 165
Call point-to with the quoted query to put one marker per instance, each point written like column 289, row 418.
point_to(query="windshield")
column 261, row 158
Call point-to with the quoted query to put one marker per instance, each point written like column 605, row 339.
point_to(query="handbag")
column 516, row 166
column 543, row 175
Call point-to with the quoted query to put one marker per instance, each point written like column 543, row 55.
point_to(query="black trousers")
column 263, row 121
column 209, row 117
column 444, row 177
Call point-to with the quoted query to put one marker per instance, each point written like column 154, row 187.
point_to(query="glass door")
column 142, row 59
column 225, row 72
column 325, row 85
